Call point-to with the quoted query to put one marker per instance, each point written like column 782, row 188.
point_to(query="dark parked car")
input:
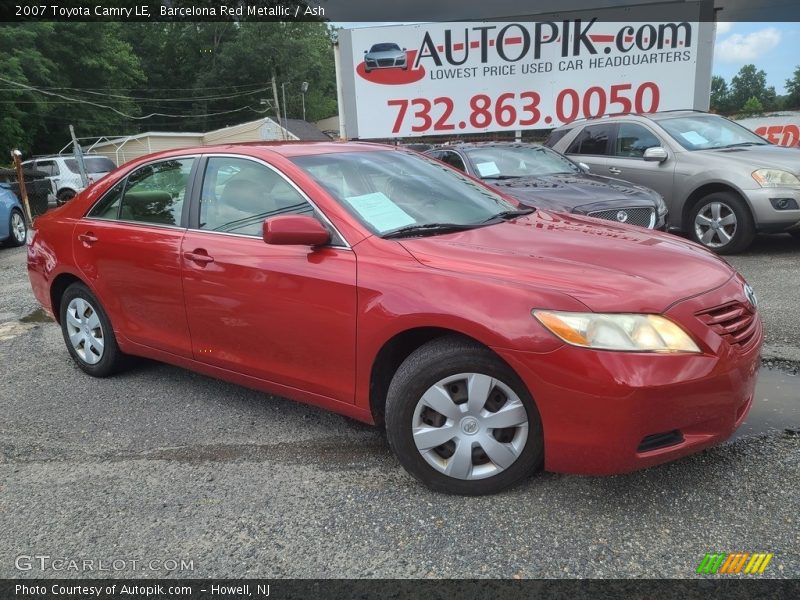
column 543, row 178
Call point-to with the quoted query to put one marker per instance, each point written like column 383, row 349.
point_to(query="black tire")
column 65, row 196
column 741, row 234
column 13, row 241
column 112, row 358
column 429, row 364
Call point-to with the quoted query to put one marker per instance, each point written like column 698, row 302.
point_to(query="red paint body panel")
column 309, row 323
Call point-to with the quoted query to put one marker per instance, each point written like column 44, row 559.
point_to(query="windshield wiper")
column 502, row 177
column 509, row 214
column 746, row 144
column 425, row 228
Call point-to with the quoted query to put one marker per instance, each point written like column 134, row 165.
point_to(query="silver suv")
column 722, row 183
column 63, row 172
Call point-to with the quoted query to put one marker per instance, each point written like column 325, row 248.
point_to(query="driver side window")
column 238, row 194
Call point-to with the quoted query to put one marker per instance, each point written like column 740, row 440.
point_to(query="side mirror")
column 295, row 230
column 404, row 49
column 365, row 51
column 584, row 167
column 655, row 154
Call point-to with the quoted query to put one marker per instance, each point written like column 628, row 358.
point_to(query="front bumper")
column 770, row 219
column 613, row 412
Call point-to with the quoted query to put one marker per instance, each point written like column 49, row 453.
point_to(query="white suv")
column 63, row 172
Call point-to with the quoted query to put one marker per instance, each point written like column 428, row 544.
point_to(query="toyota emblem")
column 622, row 216
column 750, row 295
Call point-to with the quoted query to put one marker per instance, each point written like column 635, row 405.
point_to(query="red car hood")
column 608, row 268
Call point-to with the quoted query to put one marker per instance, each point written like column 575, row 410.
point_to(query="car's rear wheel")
column 87, row 332
column 65, row 196
column 17, row 229
column 722, row 223
column 461, row 421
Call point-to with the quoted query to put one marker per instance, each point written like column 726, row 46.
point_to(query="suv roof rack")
column 634, row 114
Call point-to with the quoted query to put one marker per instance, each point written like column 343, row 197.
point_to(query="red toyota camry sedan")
column 491, row 340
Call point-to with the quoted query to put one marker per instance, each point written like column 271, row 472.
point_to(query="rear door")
column 128, row 248
column 285, row 314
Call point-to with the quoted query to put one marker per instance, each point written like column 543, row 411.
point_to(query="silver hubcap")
column 715, row 225
column 470, row 426
column 18, row 226
column 85, row 331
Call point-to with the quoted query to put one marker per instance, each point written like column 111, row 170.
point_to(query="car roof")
column 657, row 116
column 470, row 145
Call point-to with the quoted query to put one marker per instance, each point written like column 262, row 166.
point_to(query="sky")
column 773, row 47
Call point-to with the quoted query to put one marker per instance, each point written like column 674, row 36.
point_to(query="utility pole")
column 77, row 152
column 277, row 104
column 303, row 90
column 16, row 155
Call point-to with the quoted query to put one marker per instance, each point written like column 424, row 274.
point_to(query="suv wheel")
column 722, row 223
column 65, row 196
column 461, row 421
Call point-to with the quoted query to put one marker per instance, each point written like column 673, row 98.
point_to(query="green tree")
column 751, row 83
column 753, row 106
column 793, row 90
column 720, row 95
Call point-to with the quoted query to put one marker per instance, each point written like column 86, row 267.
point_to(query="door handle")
column 87, row 238
column 614, row 170
column 198, row 256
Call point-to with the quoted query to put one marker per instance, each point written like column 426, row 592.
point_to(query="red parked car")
column 490, row 339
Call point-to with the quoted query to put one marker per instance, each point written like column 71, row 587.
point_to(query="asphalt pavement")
column 161, row 464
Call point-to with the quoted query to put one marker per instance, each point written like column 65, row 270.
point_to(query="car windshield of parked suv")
column 704, row 132
column 503, row 162
column 93, row 164
column 384, row 47
column 394, row 192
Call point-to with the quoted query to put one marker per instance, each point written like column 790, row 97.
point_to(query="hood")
column 759, row 157
column 609, row 268
column 567, row 192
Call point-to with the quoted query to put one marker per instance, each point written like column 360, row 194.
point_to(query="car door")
column 285, row 314
column 51, row 168
column 592, row 145
column 453, row 159
column 627, row 162
column 129, row 250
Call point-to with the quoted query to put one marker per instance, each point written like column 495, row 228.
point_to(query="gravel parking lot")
column 163, row 464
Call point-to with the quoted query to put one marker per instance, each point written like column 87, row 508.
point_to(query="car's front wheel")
column 17, row 229
column 461, row 421
column 87, row 332
column 722, row 223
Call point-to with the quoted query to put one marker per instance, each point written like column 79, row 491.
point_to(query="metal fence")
column 37, row 185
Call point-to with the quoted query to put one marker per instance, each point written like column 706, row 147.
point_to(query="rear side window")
column 108, row 207
column 633, row 140
column 555, row 136
column 592, row 140
column 453, row 159
column 155, row 193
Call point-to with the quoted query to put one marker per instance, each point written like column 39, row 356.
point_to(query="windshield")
column 93, row 164
column 703, row 132
column 494, row 162
column 390, row 190
column 384, row 47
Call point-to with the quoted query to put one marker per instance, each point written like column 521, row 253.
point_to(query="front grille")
column 735, row 322
column 385, row 62
column 660, row 440
column 643, row 217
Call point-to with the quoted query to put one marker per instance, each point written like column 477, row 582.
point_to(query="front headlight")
column 627, row 332
column 776, row 178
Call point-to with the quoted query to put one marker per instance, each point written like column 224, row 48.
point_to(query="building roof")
column 304, row 130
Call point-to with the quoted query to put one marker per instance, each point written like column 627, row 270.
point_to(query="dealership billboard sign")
column 449, row 78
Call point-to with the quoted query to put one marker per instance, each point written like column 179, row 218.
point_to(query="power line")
column 119, row 112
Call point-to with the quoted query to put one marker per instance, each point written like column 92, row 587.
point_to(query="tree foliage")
column 751, row 83
column 793, row 90
column 188, row 76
